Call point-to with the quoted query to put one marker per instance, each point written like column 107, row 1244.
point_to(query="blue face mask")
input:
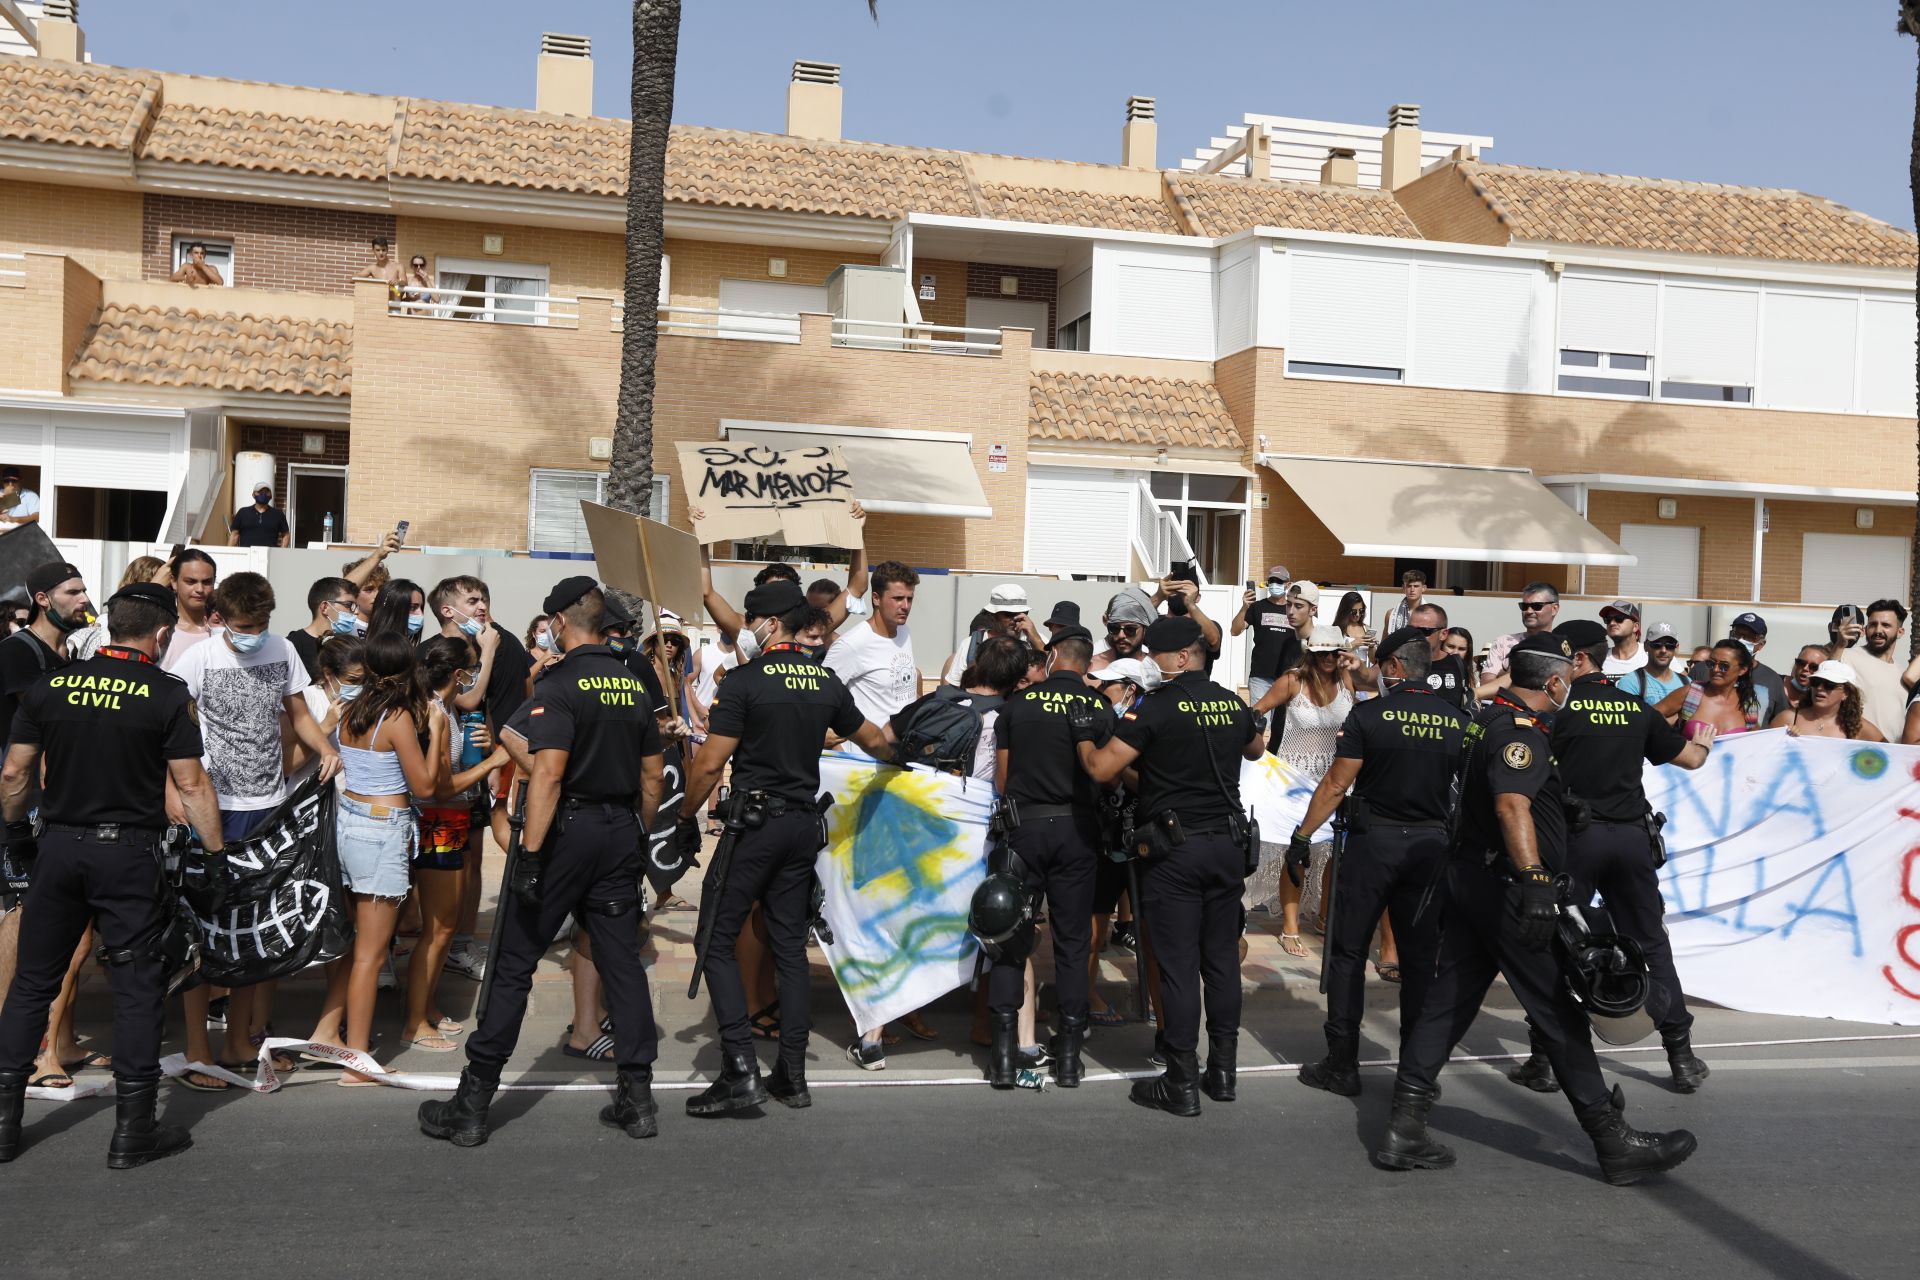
column 469, row 626
column 345, row 624
column 544, row 641
column 244, row 643
column 348, row 692
column 415, row 622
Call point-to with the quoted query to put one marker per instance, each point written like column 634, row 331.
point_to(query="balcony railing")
column 478, row 304
column 940, row 339
column 13, row 270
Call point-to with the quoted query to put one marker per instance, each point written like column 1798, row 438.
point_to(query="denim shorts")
column 374, row 851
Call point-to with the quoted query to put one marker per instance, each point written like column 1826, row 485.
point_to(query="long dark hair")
column 1343, row 616
column 391, row 683
column 440, row 657
column 393, row 606
column 1743, row 684
column 339, row 653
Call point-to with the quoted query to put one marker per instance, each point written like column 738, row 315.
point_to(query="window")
column 554, row 522
column 1318, row 369
column 1212, row 510
column 1076, row 335
column 1606, row 373
column 1348, row 317
column 502, row 292
column 219, row 254
column 779, row 305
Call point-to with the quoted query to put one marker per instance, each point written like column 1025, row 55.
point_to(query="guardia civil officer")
column 770, row 719
column 1189, row 737
column 596, row 758
column 1057, row 844
column 112, row 729
column 1601, row 740
column 1399, row 754
column 1501, row 913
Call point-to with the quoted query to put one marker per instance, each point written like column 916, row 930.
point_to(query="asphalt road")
column 1806, row 1152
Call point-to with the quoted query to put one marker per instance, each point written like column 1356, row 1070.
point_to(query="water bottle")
column 326, row 528
column 470, row 753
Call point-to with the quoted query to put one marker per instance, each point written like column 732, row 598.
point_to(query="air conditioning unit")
column 869, row 306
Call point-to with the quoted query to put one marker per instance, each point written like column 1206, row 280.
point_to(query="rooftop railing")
column 482, row 305
column 13, row 270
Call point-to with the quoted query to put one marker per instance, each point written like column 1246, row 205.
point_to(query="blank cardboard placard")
column 645, row 558
column 743, row 490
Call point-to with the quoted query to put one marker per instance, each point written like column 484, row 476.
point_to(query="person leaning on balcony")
column 384, row 267
column 18, row 504
column 196, row 270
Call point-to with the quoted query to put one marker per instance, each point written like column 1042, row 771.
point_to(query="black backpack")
column 942, row 730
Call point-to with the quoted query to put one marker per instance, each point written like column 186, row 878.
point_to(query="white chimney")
column 813, row 101
column 1400, row 147
column 1140, row 140
column 1342, row 168
column 58, row 32
column 564, row 83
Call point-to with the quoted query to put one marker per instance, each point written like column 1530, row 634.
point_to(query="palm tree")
column 1910, row 25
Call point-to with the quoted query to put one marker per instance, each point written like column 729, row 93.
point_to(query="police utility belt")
column 1161, row 833
column 753, row 808
column 105, row 832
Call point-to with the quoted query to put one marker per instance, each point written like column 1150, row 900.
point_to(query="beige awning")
column 915, row 473
column 1440, row 511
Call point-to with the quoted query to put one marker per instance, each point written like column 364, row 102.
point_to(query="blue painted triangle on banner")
column 894, row 834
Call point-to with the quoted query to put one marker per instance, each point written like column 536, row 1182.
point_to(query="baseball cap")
column 1308, row 591
column 614, row 614
column 48, row 576
column 1581, row 633
column 1661, row 633
column 1008, row 597
column 1280, row 572
column 1835, row 672
column 1752, row 622
column 1625, row 608
column 1171, row 633
column 147, row 593
column 1135, row 671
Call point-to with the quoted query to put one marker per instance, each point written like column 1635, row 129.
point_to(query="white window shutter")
column 1886, row 358
column 1163, row 311
column 1472, row 328
column 768, row 295
column 1349, row 311
column 1669, row 567
column 1078, row 525
column 1808, row 358
column 1707, row 336
column 554, row 522
column 1606, row 315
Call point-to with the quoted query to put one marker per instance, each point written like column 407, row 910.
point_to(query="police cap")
column 1581, row 633
column 1171, row 633
column 1397, row 640
column 771, row 599
column 48, row 576
column 1070, row 632
column 147, row 593
column 1548, row 642
column 566, row 593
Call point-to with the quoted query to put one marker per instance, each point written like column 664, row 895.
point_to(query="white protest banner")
column 743, row 490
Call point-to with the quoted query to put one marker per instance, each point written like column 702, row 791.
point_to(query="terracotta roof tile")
column 280, row 144
column 1219, row 205
column 513, row 148
column 71, row 103
column 1567, row 207
column 1159, row 412
column 1057, row 206
column 159, row 347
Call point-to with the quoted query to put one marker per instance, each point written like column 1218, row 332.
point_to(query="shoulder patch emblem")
column 1518, row 755
column 538, row 711
column 1435, row 682
column 1525, row 722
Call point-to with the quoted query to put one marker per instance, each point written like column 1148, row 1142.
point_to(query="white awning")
column 915, row 473
column 1441, row 511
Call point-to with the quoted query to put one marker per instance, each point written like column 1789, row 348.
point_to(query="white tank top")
column 1307, row 743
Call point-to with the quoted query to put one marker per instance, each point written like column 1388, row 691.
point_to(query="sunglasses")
column 1423, row 631
column 1670, row 645
column 1819, row 685
column 1805, row 664
column 1125, row 629
column 1717, row 666
column 1534, row 606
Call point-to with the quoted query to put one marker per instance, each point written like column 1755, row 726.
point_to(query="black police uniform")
column 107, row 728
column 780, row 707
column 1190, row 734
column 591, row 707
column 1058, row 846
column 1408, row 744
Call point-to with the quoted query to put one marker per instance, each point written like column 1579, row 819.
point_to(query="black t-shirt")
column 1600, row 739
column 107, row 728
column 780, row 707
column 1276, row 646
column 1765, row 677
column 1408, row 745
column 1509, row 754
column 1176, row 729
column 307, row 645
column 1447, row 677
column 590, row 706
column 259, row 528
column 507, row 681
column 648, row 675
column 1042, row 765
column 24, row 658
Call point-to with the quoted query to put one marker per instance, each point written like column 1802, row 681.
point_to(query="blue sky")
column 1817, row 96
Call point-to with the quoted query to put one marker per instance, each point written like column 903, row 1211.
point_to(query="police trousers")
column 1191, row 901
column 1616, row 860
column 1477, row 940
column 772, row 866
column 1386, row 870
column 1060, row 857
column 118, row 885
column 591, row 870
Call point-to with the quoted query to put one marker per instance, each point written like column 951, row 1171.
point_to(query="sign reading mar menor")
column 742, row 490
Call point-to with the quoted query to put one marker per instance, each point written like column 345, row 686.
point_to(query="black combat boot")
column 1407, row 1144
column 1688, row 1071
column 137, row 1136
column 1339, row 1071
column 1065, row 1048
column 1006, row 1041
column 788, row 1084
column 633, row 1106
column 13, row 1105
column 737, row 1089
column 1221, row 1073
column 461, row 1119
column 1626, row 1154
column 1536, row 1073
column 1178, row 1090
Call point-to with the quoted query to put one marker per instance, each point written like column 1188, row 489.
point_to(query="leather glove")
column 1536, row 903
column 23, row 846
column 1299, row 854
column 525, row 884
column 1084, row 720
column 686, row 837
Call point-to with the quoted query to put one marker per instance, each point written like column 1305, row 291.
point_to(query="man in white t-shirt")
column 1622, row 621
column 875, row 659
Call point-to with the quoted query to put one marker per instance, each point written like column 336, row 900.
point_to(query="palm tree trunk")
column 656, row 40
column 1910, row 25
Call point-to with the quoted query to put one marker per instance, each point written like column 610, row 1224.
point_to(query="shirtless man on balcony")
column 196, row 270
column 384, row 266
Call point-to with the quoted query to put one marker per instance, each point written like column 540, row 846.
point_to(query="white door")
column 1009, row 313
column 1669, row 567
column 1852, row 568
column 784, row 300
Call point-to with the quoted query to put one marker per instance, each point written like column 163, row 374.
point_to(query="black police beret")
column 1072, row 631
column 1547, row 642
column 147, row 593
column 1171, row 633
column 773, row 598
column 48, row 576
column 1395, row 641
column 566, row 593
column 1581, row 633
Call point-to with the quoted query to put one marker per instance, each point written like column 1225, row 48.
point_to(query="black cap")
column 1395, row 641
column 566, row 593
column 615, row 615
column 48, row 576
column 1581, row 633
column 1065, row 614
column 147, row 593
column 774, row 597
column 1071, row 631
column 1551, row 643
column 1171, row 633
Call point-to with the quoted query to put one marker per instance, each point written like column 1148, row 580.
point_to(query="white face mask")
column 749, row 643
column 857, row 607
column 1566, row 693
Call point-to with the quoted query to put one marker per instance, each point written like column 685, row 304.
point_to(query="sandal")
column 449, row 1027
column 200, row 1082
column 432, row 1043
column 715, row 827
column 601, row 1050
column 1108, row 1018
column 46, row 1081
column 766, row 1023
column 101, row 1060
column 1387, row 972
column 1291, row 944
column 917, row 1027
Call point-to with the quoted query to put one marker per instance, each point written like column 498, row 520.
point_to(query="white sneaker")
column 467, row 961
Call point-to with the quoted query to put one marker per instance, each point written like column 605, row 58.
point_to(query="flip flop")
column 101, row 1060
column 1108, row 1018
column 215, row 1083
column 46, row 1081
column 1291, row 944
column 449, row 1027
column 445, row 1045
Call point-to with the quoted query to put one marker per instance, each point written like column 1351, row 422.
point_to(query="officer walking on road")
column 1189, row 737
column 1503, row 908
column 770, row 719
column 1056, row 842
column 112, row 729
column 596, row 758
column 1399, row 753
column 1601, row 740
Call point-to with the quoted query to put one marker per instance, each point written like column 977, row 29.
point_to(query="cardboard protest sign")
column 745, row 489
column 645, row 558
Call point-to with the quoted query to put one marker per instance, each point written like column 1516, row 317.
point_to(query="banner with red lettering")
column 1793, row 876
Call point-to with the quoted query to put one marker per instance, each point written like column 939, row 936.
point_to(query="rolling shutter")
column 767, row 295
column 1886, row 358
column 1669, row 567
column 1708, row 336
column 1472, row 328
column 1856, row 568
column 1163, row 311
column 1808, row 355
column 1348, row 311
column 114, row 457
column 1236, row 305
column 1077, row 522
column 1607, row 315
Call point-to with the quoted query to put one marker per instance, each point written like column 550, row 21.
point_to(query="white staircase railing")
column 1158, row 539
